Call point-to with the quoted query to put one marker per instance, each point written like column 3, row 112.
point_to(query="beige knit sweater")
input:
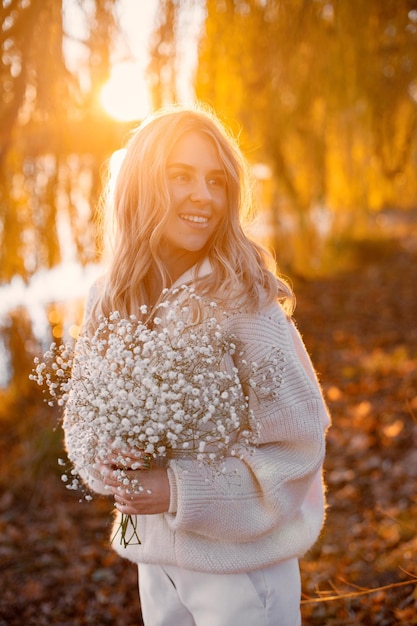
column 269, row 504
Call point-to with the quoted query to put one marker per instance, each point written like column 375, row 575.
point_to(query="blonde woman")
column 213, row 552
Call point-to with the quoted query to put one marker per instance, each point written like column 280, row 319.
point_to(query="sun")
column 125, row 96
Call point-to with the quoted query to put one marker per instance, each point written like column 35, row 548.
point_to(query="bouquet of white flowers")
column 162, row 389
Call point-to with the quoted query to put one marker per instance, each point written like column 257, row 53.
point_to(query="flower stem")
column 128, row 524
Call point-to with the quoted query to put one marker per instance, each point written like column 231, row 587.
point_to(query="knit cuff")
column 93, row 480
column 173, row 504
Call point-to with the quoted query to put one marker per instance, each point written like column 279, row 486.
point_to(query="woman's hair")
column 242, row 271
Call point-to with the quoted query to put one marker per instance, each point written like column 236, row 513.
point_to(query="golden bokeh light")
column 54, row 316
column 58, row 331
column 74, row 331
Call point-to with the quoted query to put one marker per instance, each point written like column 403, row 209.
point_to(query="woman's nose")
column 201, row 191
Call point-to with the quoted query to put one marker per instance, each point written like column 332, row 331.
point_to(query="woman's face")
column 198, row 200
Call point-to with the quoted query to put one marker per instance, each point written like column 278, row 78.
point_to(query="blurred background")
column 323, row 94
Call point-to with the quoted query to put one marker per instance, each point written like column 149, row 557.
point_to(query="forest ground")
column 56, row 565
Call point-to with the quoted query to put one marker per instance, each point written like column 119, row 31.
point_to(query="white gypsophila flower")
column 161, row 388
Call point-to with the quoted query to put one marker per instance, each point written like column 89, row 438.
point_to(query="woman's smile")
column 196, row 219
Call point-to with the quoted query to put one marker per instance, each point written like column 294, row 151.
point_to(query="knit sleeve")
column 269, row 484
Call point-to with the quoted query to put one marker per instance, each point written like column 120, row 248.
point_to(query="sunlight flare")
column 125, row 96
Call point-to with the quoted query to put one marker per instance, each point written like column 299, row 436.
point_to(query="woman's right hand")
column 147, row 491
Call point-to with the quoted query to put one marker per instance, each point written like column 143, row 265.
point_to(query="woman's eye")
column 178, row 175
column 217, row 181
column 182, row 177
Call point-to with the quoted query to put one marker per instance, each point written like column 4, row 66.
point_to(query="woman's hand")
column 153, row 497
column 147, row 491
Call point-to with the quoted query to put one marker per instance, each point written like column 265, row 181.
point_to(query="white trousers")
column 171, row 596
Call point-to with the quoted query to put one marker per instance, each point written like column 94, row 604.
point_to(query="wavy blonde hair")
column 243, row 272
